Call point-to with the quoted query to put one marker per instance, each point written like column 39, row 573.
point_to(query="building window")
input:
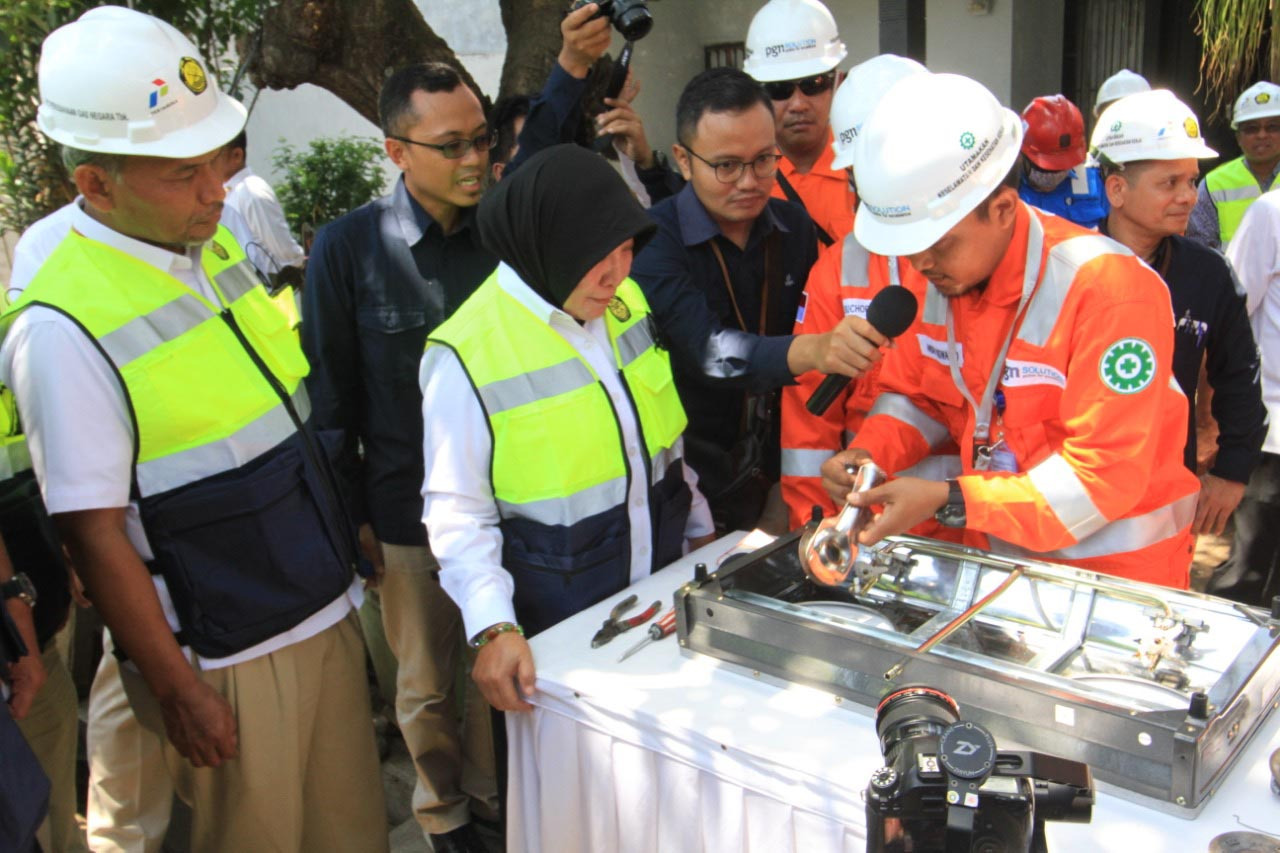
column 727, row 54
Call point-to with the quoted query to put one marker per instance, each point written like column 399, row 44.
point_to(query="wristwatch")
column 20, row 587
column 952, row 513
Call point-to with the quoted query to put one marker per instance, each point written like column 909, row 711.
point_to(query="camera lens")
column 633, row 20
column 911, row 713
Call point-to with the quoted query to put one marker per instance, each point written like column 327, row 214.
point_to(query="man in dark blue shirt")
column 379, row 280
column 724, row 276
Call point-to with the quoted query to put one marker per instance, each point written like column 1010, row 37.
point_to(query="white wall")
column 977, row 46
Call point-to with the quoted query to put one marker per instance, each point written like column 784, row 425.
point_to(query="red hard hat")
column 1054, row 139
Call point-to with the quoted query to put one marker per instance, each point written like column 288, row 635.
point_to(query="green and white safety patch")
column 1128, row 366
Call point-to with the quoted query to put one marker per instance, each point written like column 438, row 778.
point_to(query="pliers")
column 615, row 624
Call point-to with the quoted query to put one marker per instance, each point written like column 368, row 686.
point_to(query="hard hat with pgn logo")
column 1261, row 100
column 116, row 81
column 1124, row 82
column 1149, row 126
column 930, row 152
column 857, row 97
column 790, row 39
column 1053, row 135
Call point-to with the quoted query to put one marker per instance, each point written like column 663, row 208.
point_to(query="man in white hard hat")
column 1123, row 82
column 1150, row 165
column 160, row 386
column 1043, row 350
column 841, row 284
column 793, row 48
column 1227, row 191
column 1252, row 573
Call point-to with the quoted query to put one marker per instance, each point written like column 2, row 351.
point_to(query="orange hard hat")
column 1054, row 138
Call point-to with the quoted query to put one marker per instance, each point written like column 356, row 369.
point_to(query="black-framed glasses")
column 458, row 148
column 730, row 171
column 781, row 90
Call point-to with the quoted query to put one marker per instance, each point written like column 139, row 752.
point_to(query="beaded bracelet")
column 490, row 633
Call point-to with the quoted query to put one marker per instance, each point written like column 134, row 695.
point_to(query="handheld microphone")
column 890, row 312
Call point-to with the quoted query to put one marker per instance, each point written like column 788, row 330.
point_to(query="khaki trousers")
column 130, row 792
column 307, row 777
column 52, row 730
column 448, row 731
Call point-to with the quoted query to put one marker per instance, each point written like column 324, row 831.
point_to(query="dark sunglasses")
column 781, row 90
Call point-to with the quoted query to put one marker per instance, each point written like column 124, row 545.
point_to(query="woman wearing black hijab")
column 554, row 474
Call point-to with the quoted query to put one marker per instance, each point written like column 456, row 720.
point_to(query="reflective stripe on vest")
column 1060, row 486
column 936, row 467
column 900, row 407
column 854, row 259
column 935, row 307
column 1118, row 537
column 541, row 398
column 201, row 405
column 799, row 462
column 1232, row 188
column 1065, row 260
column 15, row 458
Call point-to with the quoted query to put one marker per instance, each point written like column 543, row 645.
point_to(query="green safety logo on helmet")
column 1128, row 366
column 1115, row 128
column 966, row 140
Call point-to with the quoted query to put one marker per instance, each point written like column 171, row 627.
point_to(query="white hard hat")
column 857, row 97
column 117, row 81
column 790, row 39
column 932, row 150
column 1123, row 82
column 1149, row 126
column 1258, row 101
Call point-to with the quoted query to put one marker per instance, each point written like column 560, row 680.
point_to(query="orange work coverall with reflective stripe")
column 825, row 192
column 1092, row 414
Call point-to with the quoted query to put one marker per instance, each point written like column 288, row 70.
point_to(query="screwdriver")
column 658, row 630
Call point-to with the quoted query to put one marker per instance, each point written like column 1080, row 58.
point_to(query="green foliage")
column 32, row 179
column 1232, row 33
column 330, row 177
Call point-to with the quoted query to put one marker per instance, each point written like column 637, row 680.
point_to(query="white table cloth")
column 666, row 753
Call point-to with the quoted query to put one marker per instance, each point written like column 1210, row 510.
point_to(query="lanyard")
column 1030, row 280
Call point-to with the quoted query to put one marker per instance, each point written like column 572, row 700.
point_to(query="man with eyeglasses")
column 1226, row 192
column 379, row 280
column 724, row 275
column 793, row 48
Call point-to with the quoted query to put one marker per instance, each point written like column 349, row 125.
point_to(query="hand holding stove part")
column 830, row 554
column 615, row 624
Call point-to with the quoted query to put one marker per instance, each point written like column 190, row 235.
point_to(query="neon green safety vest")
column 1232, row 188
column 559, row 471
column 199, row 403
column 14, row 456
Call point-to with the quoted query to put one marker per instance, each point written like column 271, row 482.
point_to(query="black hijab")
column 559, row 215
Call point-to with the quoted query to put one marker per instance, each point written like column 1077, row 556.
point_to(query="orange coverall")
column 1092, row 414
column 825, row 192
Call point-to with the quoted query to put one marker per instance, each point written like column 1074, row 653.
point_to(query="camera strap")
column 790, row 192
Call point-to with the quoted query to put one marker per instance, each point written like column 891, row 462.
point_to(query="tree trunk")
column 533, row 41
column 346, row 46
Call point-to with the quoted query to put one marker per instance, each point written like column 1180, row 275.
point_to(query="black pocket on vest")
column 671, row 501
column 251, row 552
column 557, row 574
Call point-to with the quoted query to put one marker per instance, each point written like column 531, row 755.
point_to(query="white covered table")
column 664, row 753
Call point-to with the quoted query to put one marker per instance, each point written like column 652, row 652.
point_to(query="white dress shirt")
column 43, row 236
column 459, row 509
column 1254, row 251
column 272, row 247
column 78, row 427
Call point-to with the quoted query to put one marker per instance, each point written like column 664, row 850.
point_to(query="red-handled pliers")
column 615, row 624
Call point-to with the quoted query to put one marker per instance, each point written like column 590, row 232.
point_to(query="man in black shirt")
column 379, row 280
column 724, row 275
column 1150, row 165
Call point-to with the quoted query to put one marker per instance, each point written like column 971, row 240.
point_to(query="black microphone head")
column 892, row 310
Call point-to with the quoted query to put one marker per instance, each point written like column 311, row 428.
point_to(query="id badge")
column 1001, row 458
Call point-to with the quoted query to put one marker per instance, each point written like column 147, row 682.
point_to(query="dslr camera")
column 631, row 18
column 945, row 786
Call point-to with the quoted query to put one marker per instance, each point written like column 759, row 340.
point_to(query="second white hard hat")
column 932, row 150
column 1149, row 126
column 857, row 97
column 790, row 39
column 117, row 81
column 1261, row 100
column 1123, row 82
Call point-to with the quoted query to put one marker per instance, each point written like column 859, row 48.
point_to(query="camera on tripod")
column 945, row 786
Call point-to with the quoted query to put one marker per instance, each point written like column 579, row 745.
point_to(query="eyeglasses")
column 781, row 90
column 730, row 171
column 1248, row 128
column 458, row 148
